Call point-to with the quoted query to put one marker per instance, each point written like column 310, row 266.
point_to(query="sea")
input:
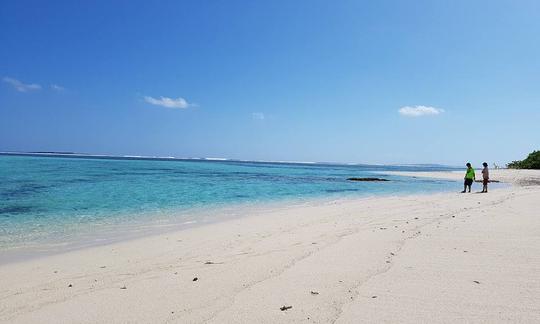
column 51, row 203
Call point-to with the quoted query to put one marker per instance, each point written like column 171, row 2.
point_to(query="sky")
column 336, row 81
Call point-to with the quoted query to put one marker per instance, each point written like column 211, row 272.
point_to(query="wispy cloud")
column 57, row 87
column 258, row 116
column 418, row 111
column 20, row 86
column 178, row 103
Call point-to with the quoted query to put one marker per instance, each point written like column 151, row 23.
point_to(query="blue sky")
column 273, row 80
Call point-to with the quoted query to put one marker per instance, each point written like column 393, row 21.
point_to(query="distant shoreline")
column 520, row 177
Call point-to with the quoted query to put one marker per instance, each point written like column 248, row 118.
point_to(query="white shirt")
column 485, row 173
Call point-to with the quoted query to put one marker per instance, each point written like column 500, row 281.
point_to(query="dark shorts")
column 468, row 182
column 485, row 182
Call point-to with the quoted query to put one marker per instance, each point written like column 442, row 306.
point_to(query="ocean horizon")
column 53, row 202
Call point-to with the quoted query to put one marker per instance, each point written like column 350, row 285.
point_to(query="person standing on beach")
column 485, row 176
column 469, row 178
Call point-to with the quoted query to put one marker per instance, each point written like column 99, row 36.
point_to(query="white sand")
column 440, row 258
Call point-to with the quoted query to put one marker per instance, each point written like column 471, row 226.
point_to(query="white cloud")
column 180, row 103
column 418, row 111
column 258, row 116
column 57, row 87
column 21, row 87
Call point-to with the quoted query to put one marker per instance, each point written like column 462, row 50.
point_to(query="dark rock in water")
column 15, row 210
column 367, row 179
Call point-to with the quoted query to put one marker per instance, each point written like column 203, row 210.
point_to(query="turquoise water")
column 57, row 199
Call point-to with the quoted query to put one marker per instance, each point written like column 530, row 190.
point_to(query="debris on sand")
column 373, row 296
column 476, row 282
column 284, row 308
column 123, row 287
column 70, row 285
column 195, row 279
column 314, row 292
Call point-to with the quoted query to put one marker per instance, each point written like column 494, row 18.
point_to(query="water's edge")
column 202, row 217
column 54, row 204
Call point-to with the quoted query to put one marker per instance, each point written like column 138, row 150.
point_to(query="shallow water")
column 58, row 200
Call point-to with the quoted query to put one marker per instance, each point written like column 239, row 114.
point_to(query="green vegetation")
column 531, row 162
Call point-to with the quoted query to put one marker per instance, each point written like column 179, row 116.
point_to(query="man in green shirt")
column 469, row 178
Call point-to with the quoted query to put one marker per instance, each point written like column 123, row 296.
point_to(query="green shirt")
column 469, row 174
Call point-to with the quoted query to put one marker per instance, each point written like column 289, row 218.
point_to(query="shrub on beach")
column 531, row 162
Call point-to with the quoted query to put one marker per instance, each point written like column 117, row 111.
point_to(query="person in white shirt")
column 485, row 176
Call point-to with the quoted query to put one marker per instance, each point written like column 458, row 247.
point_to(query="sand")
column 440, row 258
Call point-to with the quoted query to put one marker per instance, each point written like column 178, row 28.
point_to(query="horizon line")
column 210, row 159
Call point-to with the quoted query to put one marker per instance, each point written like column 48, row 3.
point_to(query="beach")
column 422, row 258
